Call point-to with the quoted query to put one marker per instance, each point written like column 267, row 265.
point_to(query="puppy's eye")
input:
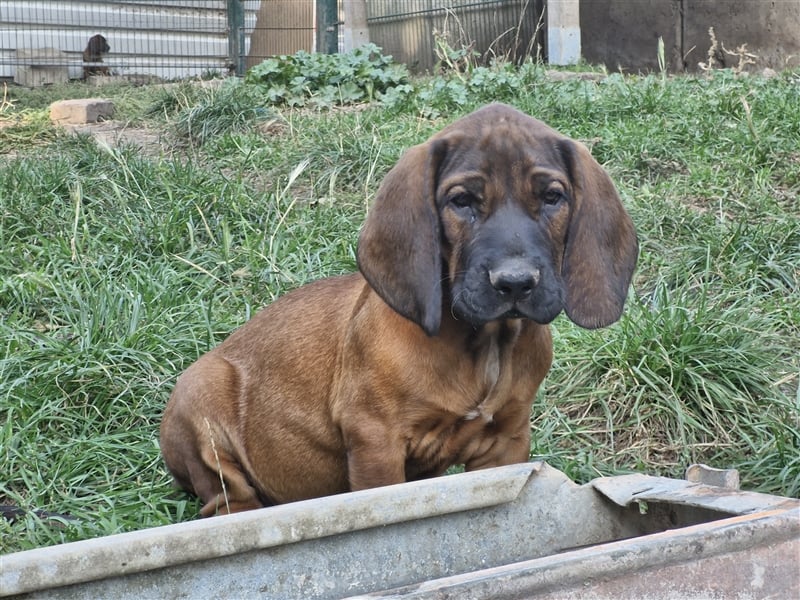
column 553, row 196
column 464, row 204
column 462, row 200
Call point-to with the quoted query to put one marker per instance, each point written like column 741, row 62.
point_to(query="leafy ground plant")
column 120, row 267
column 364, row 74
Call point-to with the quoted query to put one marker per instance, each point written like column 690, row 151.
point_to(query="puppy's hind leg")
column 208, row 469
column 199, row 440
column 221, row 483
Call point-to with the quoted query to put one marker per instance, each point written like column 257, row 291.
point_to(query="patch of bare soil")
column 118, row 133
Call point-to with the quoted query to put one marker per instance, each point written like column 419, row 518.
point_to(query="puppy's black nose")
column 514, row 282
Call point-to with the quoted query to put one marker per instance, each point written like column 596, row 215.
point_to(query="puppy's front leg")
column 375, row 454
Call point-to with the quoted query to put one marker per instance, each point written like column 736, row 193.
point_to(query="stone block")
column 86, row 110
column 41, row 66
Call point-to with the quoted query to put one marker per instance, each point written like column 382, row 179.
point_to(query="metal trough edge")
column 624, row 490
column 686, row 562
column 170, row 545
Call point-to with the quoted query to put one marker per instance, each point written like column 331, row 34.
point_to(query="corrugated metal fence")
column 408, row 29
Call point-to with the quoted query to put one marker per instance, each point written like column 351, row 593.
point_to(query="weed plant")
column 120, row 267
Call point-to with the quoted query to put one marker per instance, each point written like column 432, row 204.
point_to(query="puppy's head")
column 98, row 45
column 500, row 217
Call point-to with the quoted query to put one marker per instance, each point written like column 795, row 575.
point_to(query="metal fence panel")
column 174, row 39
column 283, row 27
column 407, row 29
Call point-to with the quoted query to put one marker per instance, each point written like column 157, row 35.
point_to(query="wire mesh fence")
column 69, row 39
column 51, row 41
column 282, row 27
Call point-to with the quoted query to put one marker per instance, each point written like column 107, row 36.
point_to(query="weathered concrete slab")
column 771, row 31
column 624, row 34
column 85, row 110
column 41, row 66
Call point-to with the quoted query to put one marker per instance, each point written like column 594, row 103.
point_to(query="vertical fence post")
column 356, row 31
column 327, row 26
column 563, row 32
column 236, row 36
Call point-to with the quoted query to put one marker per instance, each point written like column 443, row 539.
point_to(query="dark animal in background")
column 431, row 355
column 93, row 53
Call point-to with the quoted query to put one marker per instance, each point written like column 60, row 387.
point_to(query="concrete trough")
column 523, row 531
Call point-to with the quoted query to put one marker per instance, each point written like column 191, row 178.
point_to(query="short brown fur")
column 430, row 356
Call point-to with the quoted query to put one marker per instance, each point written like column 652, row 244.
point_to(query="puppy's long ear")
column 601, row 249
column 399, row 249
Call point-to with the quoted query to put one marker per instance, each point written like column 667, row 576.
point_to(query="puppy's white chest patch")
column 490, row 366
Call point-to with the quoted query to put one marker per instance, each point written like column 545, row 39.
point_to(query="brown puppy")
column 432, row 354
column 93, row 53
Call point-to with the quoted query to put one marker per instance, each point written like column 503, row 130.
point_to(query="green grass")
column 119, row 267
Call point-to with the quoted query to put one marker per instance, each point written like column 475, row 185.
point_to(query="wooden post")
column 563, row 32
column 356, row 32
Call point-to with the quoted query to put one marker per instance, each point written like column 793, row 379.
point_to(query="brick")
column 86, row 110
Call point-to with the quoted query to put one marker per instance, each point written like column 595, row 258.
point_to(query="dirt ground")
column 118, row 133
